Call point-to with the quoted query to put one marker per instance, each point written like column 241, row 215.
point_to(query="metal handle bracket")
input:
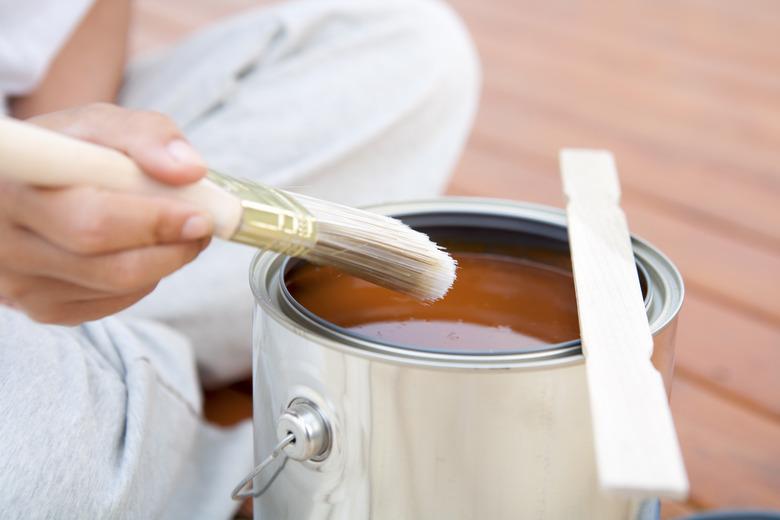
column 304, row 434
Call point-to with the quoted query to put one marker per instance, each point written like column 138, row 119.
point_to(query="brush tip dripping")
column 441, row 275
column 380, row 249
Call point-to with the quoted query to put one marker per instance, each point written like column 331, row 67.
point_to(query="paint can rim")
column 664, row 282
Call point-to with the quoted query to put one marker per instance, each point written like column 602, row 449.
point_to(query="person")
column 117, row 309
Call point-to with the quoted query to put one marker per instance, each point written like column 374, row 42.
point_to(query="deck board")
column 733, row 352
column 687, row 183
column 687, row 96
column 731, row 451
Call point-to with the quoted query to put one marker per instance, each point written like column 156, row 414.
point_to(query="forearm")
column 88, row 68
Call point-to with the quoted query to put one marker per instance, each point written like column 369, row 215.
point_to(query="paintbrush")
column 374, row 247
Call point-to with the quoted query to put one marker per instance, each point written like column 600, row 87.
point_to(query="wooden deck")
column 687, row 96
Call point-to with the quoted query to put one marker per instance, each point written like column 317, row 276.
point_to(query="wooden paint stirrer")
column 637, row 452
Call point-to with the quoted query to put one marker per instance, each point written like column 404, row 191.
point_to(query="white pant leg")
column 358, row 101
column 103, row 421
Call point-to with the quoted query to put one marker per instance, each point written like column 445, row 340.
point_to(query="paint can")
column 354, row 428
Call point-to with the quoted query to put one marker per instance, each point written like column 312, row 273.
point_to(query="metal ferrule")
column 270, row 219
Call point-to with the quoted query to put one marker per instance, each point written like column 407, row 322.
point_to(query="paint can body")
column 419, row 435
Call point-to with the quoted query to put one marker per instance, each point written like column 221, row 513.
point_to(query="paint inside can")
column 498, row 303
column 511, row 295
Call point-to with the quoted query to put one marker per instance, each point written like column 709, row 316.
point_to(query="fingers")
column 73, row 313
column 131, row 269
column 48, row 300
column 116, row 273
column 91, row 221
column 24, row 290
column 75, row 254
column 151, row 139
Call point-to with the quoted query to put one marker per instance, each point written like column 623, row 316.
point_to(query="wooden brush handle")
column 40, row 157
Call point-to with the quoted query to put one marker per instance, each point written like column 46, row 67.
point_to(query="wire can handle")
column 304, row 433
column 238, row 492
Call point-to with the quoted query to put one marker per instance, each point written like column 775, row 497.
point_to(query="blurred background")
column 686, row 94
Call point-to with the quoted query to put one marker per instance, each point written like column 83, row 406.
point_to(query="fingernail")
column 183, row 152
column 196, row 227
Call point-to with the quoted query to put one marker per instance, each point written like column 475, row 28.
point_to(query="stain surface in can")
column 499, row 303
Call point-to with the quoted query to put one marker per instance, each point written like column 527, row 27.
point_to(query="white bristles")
column 379, row 249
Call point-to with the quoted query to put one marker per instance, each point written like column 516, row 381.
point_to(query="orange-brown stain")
column 498, row 303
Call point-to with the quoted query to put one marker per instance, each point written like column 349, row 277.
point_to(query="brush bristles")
column 379, row 249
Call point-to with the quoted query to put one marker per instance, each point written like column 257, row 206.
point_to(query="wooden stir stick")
column 637, row 453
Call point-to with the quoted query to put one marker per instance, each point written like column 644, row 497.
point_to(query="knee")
column 445, row 48
column 423, row 46
column 101, row 418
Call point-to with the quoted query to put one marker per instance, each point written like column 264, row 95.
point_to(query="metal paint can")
column 386, row 433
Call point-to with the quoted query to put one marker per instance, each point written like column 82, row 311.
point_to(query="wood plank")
column 714, row 264
column 747, row 209
column 647, row 69
column 684, row 28
column 754, row 11
column 657, row 139
column 637, row 452
column 628, row 100
column 732, row 351
column 624, row 31
column 732, row 454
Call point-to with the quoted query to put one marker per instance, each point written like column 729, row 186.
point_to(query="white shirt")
column 31, row 34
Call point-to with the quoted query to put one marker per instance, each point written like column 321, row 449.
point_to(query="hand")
column 71, row 255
